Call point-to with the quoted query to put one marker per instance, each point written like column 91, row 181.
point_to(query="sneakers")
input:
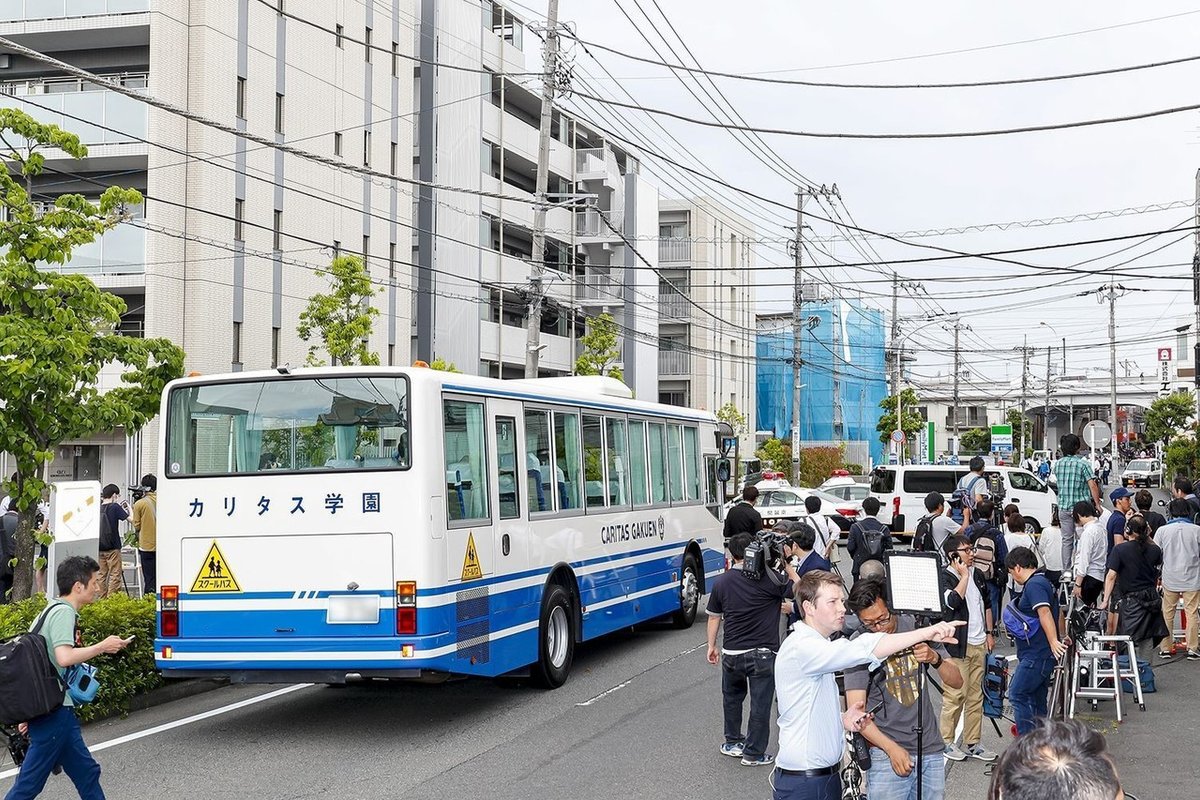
column 1193, row 655
column 762, row 761
column 982, row 753
column 953, row 753
column 732, row 749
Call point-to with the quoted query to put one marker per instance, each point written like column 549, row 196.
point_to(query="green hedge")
column 123, row 676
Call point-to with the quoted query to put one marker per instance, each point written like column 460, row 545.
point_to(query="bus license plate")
column 353, row 609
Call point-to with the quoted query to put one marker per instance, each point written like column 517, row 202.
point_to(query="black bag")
column 109, row 538
column 923, row 536
column 30, row 685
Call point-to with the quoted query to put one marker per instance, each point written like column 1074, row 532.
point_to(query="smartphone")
column 875, row 708
column 131, row 638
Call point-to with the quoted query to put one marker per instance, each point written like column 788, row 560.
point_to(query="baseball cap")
column 1119, row 492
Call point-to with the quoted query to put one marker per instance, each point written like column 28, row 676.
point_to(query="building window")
column 338, row 32
column 337, row 249
column 367, row 45
column 395, row 59
column 241, row 97
column 366, row 148
column 366, row 254
column 239, row 218
column 237, row 343
column 391, row 355
column 277, row 230
column 278, row 112
column 274, row 347
column 395, row 157
column 337, row 144
column 392, row 261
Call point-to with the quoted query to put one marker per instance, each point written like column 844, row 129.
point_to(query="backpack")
column 963, row 497
column 873, row 540
column 109, row 538
column 987, row 557
column 30, row 685
column 995, row 685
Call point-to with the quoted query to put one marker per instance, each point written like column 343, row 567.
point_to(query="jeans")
column 995, row 599
column 56, row 739
column 149, row 571
column 798, row 787
column 754, row 671
column 1066, row 524
column 969, row 698
column 884, row 784
column 1027, row 690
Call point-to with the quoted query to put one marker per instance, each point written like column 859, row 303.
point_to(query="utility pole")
column 1046, row 418
column 1112, row 293
column 957, row 369
column 538, row 257
column 896, row 359
column 802, row 194
column 1196, row 300
column 1024, row 395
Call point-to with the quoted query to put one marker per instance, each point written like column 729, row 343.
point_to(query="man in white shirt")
column 1180, row 543
column 827, row 530
column 811, row 723
column 1091, row 553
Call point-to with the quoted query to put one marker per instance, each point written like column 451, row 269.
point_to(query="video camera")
column 764, row 555
column 138, row 492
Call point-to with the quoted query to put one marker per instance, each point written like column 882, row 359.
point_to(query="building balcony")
column 121, row 251
column 674, row 250
column 28, row 10
column 672, row 306
column 123, row 118
column 606, row 288
column 673, row 363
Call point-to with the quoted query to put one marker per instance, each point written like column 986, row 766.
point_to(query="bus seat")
column 563, row 500
column 458, row 492
column 535, row 488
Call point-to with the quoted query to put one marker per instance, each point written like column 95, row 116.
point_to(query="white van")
column 901, row 491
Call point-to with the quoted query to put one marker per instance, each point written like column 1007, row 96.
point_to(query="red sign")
column 1164, row 354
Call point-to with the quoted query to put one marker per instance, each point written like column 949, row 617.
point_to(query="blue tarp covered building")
column 846, row 345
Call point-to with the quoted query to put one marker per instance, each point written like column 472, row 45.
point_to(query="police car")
column 779, row 501
column 1143, row 472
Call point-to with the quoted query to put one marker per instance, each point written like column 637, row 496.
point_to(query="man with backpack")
column 55, row 739
column 145, row 521
column 971, row 488
column 990, row 552
column 868, row 538
column 935, row 527
column 112, row 514
column 826, row 529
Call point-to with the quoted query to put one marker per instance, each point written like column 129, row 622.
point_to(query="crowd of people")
column 1001, row 578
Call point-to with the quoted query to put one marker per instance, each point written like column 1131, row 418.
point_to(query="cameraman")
column 750, row 609
column 145, row 522
column 743, row 518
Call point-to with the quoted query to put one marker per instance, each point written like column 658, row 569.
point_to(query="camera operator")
column 895, row 688
column 811, row 722
column 749, row 608
column 145, row 521
column 743, row 518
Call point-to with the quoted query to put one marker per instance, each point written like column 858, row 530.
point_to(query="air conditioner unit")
column 810, row 292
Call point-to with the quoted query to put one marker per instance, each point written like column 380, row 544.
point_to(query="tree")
column 58, row 331
column 818, row 463
column 735, row 419
column 600, row 352
column 913, row 422
column 1168, row 417
column 776, row 454
column 1019, row 424
column 341, row 320
column 442, row 365
column 976, row 440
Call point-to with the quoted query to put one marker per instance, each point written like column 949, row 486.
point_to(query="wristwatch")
column 938, row 663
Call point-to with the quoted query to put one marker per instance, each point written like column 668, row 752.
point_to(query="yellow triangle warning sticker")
column 471, row 568
column 215, row 574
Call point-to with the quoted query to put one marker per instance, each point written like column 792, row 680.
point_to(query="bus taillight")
column 168, row 615
column 406, row 607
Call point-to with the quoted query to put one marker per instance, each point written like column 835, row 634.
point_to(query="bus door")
column 507, row 463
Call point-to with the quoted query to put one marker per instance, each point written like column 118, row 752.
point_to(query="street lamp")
column 1064, row 344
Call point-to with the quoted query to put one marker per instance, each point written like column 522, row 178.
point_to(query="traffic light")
column 723, row 468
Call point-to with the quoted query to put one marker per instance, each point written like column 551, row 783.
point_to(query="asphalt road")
column 640, row 717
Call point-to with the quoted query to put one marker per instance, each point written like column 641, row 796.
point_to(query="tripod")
column 1059, row 705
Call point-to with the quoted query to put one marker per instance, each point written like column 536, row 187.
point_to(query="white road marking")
column 216, row 712
column 622, row 685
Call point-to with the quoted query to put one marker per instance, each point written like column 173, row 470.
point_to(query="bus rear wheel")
column 689, row 594
column 556, row 639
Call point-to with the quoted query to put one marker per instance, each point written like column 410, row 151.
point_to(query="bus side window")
column 618, row 463
column 658, row 461
column 466, row 462
column 568, row 460
column 691, row 463
column 675, row 461
column 506, row 462
column 640, row 489
column 593, row 461
column 538, row 464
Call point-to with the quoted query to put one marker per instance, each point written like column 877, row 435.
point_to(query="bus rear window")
column 288, row 425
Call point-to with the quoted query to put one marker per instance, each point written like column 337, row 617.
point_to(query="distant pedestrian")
column 55, row 738
column 112, row 513
column 1145, row 505
column 1179, row 541
column 1105, row 469
column 868, row 539
column 743, row 518
column 1076, row 483
column 145, row 522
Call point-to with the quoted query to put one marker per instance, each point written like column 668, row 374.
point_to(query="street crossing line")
column 166, row 726
column 621, row 686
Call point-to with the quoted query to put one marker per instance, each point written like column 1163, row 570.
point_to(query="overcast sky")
column 916, row 185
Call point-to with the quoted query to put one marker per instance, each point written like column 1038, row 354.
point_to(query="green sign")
column 1002, row 438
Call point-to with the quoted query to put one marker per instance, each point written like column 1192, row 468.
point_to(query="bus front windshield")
column 288, row 425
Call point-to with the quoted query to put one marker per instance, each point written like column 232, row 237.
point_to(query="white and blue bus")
column 322, row 524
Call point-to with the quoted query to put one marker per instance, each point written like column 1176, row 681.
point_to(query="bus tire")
column 689, row 594
column 556, row 639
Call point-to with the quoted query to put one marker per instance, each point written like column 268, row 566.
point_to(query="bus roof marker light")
column 421, row 364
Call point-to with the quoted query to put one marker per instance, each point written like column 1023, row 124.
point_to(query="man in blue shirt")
column 1122, row 502
column 1035, row 628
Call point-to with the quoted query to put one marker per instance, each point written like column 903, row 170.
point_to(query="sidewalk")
column 1152, row 749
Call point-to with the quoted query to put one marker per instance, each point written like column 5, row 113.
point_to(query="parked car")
column 1143, row 472
column 778, row 501
column 850, row 487
column 901, row 491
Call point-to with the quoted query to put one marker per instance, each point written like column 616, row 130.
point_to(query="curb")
column 175, row 690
